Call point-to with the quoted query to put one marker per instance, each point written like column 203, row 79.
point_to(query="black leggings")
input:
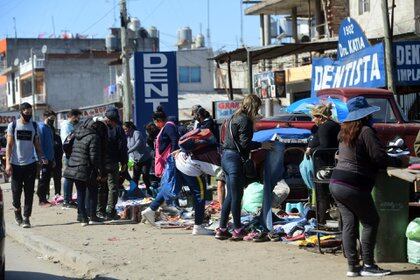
column 357, row 206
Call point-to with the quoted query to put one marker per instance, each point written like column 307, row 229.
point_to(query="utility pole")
column 127, row 95
column 388, row 48
column 33, row 85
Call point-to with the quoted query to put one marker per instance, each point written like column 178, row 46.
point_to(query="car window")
column 386, row 114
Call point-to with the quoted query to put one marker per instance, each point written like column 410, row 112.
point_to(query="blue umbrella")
column 339, row 108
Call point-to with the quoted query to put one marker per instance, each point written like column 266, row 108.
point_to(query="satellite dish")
column 44, row 49
column 16, row 62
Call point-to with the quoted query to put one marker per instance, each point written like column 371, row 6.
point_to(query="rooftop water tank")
column 134, row 24
column 153, row 32
column 111, row 43
column 199, row 41
column 184, row 37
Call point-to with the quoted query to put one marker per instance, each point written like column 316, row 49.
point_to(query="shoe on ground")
column 201, row 230
column 101, row 215
column 238, row 234
column 374, row 271
column 261, row 237
column 67, row 205
column 222, row 234
column 148, row 215
column 250, row 236
column 112, row 217
column 354, row 271
column 274, row 237
column 18, row 217
column 26, row 223
column 96, row 221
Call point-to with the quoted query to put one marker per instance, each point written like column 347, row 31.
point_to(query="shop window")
column 364, row 6
column 189, row 74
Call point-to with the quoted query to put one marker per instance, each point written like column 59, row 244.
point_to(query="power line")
column 100, row 19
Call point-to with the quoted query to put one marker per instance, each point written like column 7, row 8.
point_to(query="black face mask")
column 75, row 121
column 50, row 122
column 27, row 118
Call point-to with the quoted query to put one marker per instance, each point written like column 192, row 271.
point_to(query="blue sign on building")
column 359, row 64
column 155, row 84
column 407, row 63
column 362, row 69
column 351, row 38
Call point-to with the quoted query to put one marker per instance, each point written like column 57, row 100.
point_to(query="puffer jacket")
column 85, row 161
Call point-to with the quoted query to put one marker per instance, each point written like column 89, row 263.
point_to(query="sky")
column 94, row 17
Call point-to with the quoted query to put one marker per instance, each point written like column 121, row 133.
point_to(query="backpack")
column 68, row 144
column 35, row 125
column 197, row 139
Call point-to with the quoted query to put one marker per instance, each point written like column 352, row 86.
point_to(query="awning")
column 279, row 7
column 274, row 51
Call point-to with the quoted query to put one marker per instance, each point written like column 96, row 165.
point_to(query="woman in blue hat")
column 361, row 155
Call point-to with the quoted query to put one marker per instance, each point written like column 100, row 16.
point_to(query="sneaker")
column 222, row 234
column 26, row 223
column 148, row 215
column 374, row 271
column 95, row 221
column 238, row 234
column 112, row 217
column 67, row 206
column 18, row 217
column 84, row 222
column 201, row 230
column 274, row 236
column 261, row 237
column 354, row 271
column 101, row 215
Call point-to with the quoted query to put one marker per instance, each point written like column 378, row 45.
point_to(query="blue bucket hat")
column 359, row 108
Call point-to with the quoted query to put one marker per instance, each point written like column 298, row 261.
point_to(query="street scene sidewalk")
column 138, row 251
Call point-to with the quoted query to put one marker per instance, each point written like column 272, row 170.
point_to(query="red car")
column 389, row 121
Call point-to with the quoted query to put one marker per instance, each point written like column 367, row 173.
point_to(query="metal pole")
column 249, row 60
column 33, row 85
column 127, row 94
column 242, row 24
column 230, row 80
column 388, row 47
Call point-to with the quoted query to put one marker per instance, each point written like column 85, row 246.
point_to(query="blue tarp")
column 285, row 133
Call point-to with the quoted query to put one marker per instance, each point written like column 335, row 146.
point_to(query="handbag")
column 248, row 165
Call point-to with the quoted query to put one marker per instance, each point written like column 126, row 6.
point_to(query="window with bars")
column 364, row 6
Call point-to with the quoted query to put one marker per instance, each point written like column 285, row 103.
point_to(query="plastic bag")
column 413, row 230
column 253, row 198
column 413, row 251
column 280, row 193
column 306, row 168
column 170, row 183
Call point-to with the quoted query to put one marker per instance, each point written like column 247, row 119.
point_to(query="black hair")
column 159, row 114
column 74, row 113
column 203, row 113
column 24, row 106
column 49, row 113
column 130, row 125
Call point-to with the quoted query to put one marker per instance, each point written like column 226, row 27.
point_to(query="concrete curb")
column 81, row 262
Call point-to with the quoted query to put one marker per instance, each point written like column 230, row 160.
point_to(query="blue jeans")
column 198, row 188
column 67, row 185
column 87, row 199
column 273, row 173
column 235, row 182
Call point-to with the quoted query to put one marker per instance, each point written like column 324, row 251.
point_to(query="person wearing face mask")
column 116, row 155
column 139, row 153
column 46, row 136
column 21, row 162
column 67, row 128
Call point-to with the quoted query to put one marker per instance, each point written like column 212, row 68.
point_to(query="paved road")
column 23, row 264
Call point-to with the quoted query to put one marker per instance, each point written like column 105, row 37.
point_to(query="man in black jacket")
column 116, row 154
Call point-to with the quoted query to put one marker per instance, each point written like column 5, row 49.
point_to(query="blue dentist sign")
column 359, row 64
column 155, row 84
